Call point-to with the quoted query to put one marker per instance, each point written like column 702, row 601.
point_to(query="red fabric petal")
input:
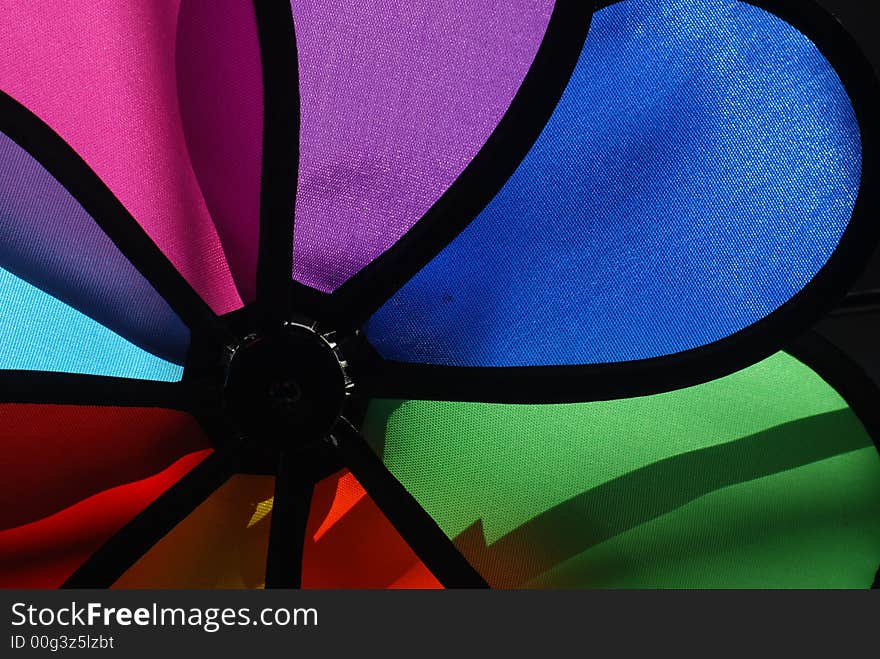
column 43, row 554
column 52, row 456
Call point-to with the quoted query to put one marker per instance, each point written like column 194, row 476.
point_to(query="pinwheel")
column 434, row 294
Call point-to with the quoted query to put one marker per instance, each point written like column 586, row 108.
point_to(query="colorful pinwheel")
column 421, row 294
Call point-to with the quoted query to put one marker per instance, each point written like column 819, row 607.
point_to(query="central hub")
column 287, row 387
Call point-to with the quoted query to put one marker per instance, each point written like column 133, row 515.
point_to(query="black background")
column 862, row 20
column 856, row 332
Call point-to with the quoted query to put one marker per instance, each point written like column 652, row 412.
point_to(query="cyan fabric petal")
column 40, row 333
column 698, row 172
column 48, row 239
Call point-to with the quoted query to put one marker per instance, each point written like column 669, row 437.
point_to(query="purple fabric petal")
column 397, row 98
column 48, row 239
column 220, row 90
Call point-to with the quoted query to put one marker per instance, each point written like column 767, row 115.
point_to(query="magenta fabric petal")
column 219, row 82
column 397, row 98
column 102, row 75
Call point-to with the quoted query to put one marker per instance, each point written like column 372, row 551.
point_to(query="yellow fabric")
column 264, row 508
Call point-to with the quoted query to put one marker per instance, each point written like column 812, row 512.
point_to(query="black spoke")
column 533, row 385
column 415, row 526
column 540, row 91
column 290, row 515
column 311, row 302
column 60, row 160
column 110, row 562
column 76, row 389
column 281, row 112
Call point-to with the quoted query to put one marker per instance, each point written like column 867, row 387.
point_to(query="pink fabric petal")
column 219, row 81
column 397, row 98
column 102, row 75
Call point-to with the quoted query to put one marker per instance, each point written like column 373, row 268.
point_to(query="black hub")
column 286, row 388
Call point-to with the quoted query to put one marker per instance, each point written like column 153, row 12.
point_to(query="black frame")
column 345, row 309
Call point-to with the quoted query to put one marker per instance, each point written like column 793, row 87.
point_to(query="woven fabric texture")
column 220, row 544
column 396, row 100
column 78, row 474
column 699, row 170
column 48, row 239
column 103, row 75
column 220, row 91
column 40, row 333
column 763, row 478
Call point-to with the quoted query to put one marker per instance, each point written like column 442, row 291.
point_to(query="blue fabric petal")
column 699, row 170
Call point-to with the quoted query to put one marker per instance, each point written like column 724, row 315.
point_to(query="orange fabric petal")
column 221, row 544
column 351, row 544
